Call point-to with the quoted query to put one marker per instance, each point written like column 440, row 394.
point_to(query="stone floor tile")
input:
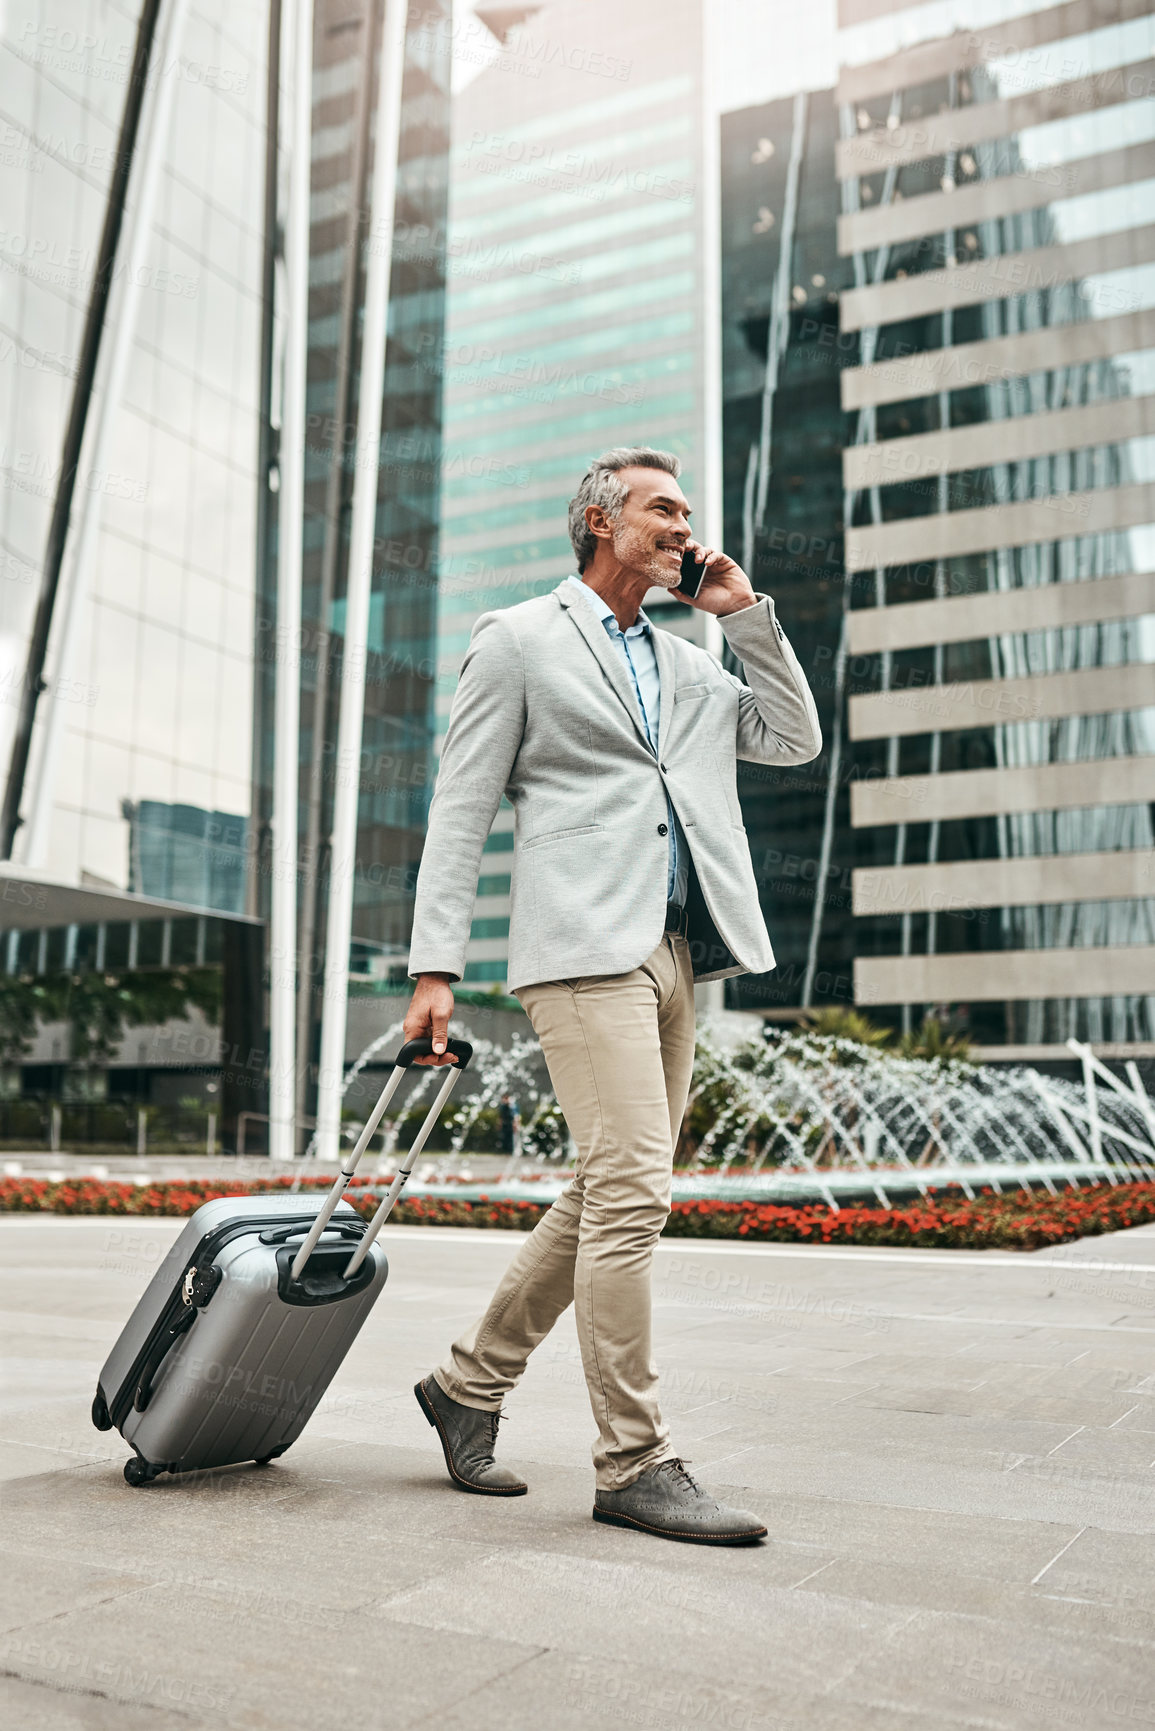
column 579, row 1691
column 40, row 1707
column 935, row 1582
column 1109, row 1451
column 1010, row 1550
column 29, row 1461
column 35, row 1586
column 1004, row 1675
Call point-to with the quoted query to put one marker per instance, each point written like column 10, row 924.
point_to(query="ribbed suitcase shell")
column 243, row 1381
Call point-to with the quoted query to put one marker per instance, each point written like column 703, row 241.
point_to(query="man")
column 616, row 746
column 507, row 1122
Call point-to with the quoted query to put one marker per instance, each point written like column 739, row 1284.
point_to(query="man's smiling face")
column 650, row 535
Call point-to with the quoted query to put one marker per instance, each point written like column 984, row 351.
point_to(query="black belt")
column 677, row 919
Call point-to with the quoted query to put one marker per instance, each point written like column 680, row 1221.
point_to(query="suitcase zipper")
column 179, row 1313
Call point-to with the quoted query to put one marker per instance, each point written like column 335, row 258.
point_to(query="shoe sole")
column 747, row 1538
column 431, row 1414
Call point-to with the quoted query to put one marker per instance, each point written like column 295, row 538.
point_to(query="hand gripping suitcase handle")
column 463, row 1052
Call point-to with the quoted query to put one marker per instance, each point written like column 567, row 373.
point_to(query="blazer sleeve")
column 486, row 725
column 777, row 720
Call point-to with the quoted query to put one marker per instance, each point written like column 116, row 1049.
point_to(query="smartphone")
column 692, row 574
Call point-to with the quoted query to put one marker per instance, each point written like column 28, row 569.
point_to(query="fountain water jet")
column 801, row 1106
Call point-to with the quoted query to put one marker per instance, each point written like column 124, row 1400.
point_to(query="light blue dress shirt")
column 636, row 648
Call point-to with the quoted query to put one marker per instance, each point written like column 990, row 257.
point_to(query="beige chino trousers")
column 619, row 1049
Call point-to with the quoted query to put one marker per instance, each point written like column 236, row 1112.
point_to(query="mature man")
column 631, row 878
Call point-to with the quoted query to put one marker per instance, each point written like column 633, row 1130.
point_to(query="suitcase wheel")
column 100, row 1416
column 138, row 1472
column 263, row 1460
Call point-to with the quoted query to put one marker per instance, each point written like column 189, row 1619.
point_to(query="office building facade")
column 997, row 175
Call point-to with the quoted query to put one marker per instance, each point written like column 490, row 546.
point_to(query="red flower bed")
column 185, row 1196
column 1017, row 1220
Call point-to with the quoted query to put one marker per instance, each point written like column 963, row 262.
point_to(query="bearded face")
column 648, row 547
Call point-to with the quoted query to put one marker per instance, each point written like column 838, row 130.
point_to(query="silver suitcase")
column 245, row 1323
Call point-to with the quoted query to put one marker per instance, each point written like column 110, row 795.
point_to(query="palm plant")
column 844, row 1024
column 934, row 1042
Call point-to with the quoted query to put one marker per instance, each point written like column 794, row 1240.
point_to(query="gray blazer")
column 545, row 714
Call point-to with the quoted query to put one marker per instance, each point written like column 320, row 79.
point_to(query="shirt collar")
column 606, row 613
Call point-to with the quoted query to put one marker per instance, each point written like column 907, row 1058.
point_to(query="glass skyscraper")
column 997, row 174
column 158, row 703
column 783, row 433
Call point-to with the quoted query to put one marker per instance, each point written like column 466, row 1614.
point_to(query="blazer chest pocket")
column 691, row 693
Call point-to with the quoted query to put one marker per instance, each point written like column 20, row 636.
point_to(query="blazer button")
column 662, row 829
column 663, row 769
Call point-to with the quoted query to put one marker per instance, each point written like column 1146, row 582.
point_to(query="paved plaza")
column 953, row 1453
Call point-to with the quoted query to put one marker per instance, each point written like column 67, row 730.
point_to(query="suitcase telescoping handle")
column 463, row 1052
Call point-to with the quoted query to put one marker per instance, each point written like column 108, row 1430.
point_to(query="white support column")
column 343, row 853
column 287, row 704
column 149, row 160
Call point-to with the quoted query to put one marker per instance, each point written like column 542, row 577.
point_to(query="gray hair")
column 600, row 486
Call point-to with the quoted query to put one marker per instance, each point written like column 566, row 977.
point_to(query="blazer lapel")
column 604, row 652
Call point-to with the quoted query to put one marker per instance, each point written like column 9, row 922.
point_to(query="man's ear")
column 598, row 522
